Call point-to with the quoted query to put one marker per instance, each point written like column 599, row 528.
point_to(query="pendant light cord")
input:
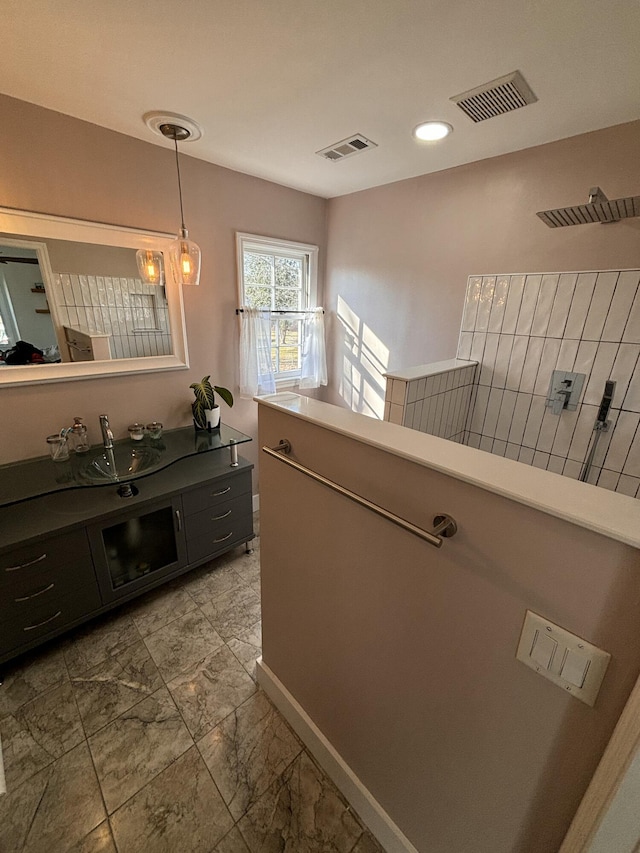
column 175, row 142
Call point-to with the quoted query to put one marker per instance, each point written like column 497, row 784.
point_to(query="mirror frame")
column 29, row 225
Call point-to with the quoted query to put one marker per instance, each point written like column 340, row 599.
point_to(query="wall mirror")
column 70, row 291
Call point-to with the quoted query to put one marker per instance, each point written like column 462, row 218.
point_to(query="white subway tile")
column 625, row 292
column 531, row 365
column 593, row 475
column 583, row 433
column 548, row 361
column 480, row 409
column 486, row 301
column 422, row 383
column 580, row 304
column 514, row 299
column 412, row 391
column 534, row 422
column 434, row 413
column 486, row 444
column 388, row 391
column 471, row 407
column 631, row 400
column 499, row 448
column 395, row 413
column 600, row 304
column 516, row 362
column 600, row 372
column 555, row 464
column 493, row 412
column 605, row 438
column 520, row 415
column 398, row 392
column 498, row 306
column 628, row 485
column 512, row 451
column 526, row 455
column 503, row 356
column 505, row 417
column 585, row 358
column 471, row 302
column 540, row 460
column 409, row 412
column 567, row 422
column 572, row 469
column 632, row 465
column 548, row 429
column 528, row 306
column 477, row 346
column 488, row 360
column 464, row 345
column 561, row 305
column 387, row 410
column 567, row 354
column 544, row 304
column 473, row 440
column 417, row 414
column 465, row 409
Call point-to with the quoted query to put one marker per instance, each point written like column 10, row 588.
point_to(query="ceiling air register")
column 496, row 97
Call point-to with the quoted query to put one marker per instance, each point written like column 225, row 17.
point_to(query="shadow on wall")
column 365, row 360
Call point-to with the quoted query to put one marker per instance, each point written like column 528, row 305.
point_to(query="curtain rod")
column 280, row 311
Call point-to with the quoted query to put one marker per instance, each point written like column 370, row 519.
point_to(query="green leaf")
column 226, row 395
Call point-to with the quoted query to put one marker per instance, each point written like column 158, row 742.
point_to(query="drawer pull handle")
column 24, row 565
column 224, row 515
column 35, row 594
column 40, row 624
column 179, row 520
column 222, row 492
column 222, row 538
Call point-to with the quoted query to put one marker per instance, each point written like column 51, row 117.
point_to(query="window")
column 279, row 276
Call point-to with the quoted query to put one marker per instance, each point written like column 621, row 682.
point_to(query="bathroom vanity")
column 78, row 538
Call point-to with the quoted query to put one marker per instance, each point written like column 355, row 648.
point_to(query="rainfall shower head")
column 599, row 209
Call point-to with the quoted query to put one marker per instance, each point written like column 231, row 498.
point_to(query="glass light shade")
column 185, row 259
column 432, row 131
column 150, row 266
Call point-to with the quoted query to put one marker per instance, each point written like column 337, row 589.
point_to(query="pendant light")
column 150, row 266
column 184, row 254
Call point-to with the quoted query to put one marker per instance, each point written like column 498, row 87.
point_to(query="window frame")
column 285, row 248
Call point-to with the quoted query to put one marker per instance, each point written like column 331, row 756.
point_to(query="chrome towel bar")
column 445, row 525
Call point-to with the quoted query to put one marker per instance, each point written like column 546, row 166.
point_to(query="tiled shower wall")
column 433, row 398
column 522, row 327
column 134, row 314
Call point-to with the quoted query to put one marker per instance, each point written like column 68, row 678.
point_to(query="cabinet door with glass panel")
column 280, row 277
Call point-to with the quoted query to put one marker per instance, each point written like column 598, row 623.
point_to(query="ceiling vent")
column 347, row 147
column 496, row 97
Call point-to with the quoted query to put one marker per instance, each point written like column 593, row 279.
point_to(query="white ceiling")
column 273, row 81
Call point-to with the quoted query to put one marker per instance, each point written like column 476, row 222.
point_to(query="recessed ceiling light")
column 431, row 131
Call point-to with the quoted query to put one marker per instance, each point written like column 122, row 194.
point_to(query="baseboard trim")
column 364, row 803
column 255, row 500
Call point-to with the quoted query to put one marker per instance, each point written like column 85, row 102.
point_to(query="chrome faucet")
column 107, row 435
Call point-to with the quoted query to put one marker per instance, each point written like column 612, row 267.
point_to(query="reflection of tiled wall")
column 134, row 314
column 433, row 398
column 521, row 328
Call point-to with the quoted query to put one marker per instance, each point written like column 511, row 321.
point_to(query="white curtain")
column 256, row 370
column 313, row 371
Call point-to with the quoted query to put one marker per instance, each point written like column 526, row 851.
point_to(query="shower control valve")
column 564, row 391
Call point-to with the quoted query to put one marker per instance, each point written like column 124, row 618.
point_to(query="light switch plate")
column 570, row 654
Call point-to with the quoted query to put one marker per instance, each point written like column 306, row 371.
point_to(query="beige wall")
column 399, row 255
column 404, row 655
column 56, row 164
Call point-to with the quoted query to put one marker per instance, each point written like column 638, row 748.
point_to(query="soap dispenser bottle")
column 80, row 438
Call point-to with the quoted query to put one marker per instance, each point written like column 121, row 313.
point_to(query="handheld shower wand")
column 601, row 425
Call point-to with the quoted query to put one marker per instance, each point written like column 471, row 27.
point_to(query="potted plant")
column 206, row 412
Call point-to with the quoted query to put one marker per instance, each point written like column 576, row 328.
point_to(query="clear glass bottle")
column 79, row 435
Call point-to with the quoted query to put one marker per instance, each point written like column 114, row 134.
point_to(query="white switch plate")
column 536, row 633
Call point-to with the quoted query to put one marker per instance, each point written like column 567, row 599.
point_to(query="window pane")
column 258, row 269
column 258, row 297
column 288, row 272
column 289, row 332
column 287, row 299
column 289, row 359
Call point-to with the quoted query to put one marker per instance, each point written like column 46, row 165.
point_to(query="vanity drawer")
column 45, row 603
column 219, row 519
column 220, row 536
column 21, row 567
column 216, row 492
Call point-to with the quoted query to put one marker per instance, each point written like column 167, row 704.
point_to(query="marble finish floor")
column 145, row 732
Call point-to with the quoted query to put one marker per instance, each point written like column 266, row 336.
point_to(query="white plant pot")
column 212, row 417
